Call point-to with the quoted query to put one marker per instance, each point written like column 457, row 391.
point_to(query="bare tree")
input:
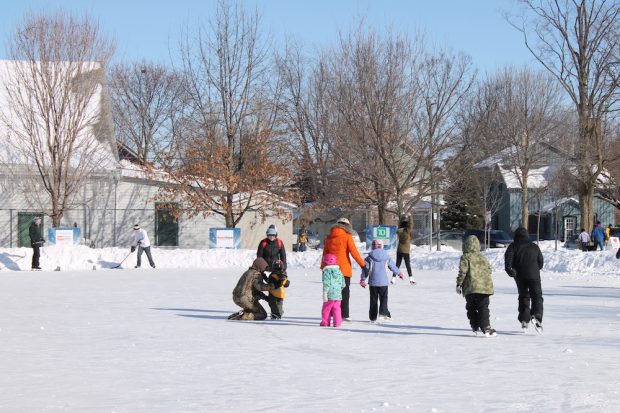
column 396, row 105
column 308, row 111
column 577, row 42
column 230, row 150
column 526, row 115
column 145, row 103
column 59, row 130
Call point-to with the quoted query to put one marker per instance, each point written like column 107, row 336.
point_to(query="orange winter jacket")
column 340, row 243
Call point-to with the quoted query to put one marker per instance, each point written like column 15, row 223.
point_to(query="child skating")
column 475, row 283
column 333, row 283
column 377, row 263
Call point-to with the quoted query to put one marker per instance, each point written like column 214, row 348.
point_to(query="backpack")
column 264, row 244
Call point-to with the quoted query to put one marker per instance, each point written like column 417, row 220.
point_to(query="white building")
column 118, row 194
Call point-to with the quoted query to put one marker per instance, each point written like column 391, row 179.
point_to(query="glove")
column 286, row 283
column 324, row 296
column 363, row 283
column 511, row 272
column 401, row 275
column 133, row 249
column 459, row 290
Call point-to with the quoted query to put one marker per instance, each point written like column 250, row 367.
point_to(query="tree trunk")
column 586, row 202
column 525, row 211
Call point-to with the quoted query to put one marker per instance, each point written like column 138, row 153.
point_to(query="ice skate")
column 537, row 325
column 490, row 332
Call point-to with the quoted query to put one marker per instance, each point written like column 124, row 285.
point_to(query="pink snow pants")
column 331, row 308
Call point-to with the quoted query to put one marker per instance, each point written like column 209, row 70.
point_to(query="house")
column 550, row 214
column 118, row 193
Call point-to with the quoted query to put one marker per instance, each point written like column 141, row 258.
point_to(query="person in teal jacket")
column 333, row 283
column 475, row 283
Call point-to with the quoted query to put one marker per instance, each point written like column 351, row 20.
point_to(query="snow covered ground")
column 149, row 340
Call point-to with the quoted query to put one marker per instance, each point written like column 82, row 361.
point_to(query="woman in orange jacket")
column 340, row 243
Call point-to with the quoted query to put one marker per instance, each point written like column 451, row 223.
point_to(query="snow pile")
column 83, row 258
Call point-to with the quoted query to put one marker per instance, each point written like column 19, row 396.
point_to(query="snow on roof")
column 553, row 205
column 538, row 178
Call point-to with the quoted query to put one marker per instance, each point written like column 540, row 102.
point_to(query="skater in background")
column 607, row 235
column 404, row 246
column 142, row 242
column 276, row 296
column 333, row 283
column 35, row 231
column 340, row 243
column 250, row 290
column 271, row 248
column 377, row 263
column 475, row 283
column 598, row 236
column 584, row 239
column 302, row 239
column 523, row 261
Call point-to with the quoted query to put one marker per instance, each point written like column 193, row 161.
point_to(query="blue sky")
column 147, row 29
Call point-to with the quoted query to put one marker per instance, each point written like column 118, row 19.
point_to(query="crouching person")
column 249, row 291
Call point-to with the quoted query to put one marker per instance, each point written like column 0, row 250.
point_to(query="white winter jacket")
column 140, row 236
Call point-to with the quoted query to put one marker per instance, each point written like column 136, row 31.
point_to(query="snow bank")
column 83, row 258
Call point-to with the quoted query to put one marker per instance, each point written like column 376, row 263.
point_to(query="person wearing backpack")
column 271, row 249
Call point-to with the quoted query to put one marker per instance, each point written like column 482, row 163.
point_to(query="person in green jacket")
column 475, row 283
column 404, row 245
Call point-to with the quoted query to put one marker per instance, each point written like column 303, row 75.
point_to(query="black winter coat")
column 34, row 231
column 271, row 251
column 523, row 258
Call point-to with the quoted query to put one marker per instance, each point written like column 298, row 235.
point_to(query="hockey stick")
column 119, row 264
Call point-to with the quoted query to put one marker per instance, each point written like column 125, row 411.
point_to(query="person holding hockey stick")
column 35, row 231
column 142, row 242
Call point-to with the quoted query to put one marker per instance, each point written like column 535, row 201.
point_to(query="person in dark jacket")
column 523, row 261
column 249, row 291
column 35, row 231
column 271, row 249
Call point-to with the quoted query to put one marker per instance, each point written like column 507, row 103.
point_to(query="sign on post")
column 385, row 233
column 63, row 236
column 225, row 238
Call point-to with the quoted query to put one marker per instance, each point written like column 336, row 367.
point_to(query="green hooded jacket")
column 474, row 269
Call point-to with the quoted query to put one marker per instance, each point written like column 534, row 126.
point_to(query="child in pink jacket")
column 333, row 283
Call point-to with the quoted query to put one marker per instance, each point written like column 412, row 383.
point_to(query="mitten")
column 286, row 283
column 324, row 296
column 363, row 283
column 511, row 272
column 401, row 275
column 459, row 289
column 133, row 249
